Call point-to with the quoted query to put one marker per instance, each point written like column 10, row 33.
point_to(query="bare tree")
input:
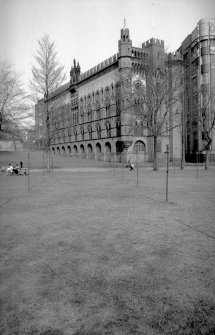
column 47, row 76
column 206, row 121
column 155, row 104
column 14, row 103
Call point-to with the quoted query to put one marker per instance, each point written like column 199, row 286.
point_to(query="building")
column 92, row 115
column 198, row 51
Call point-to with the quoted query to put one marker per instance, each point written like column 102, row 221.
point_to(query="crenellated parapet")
column 174, row 56
column 153, row 41
column 60, row 90
column 106, row 63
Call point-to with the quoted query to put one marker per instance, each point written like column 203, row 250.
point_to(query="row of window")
column 82, row 135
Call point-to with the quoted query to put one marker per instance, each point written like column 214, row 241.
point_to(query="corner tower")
column 124, row 48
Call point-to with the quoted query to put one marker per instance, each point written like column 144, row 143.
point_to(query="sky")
column 89, row 30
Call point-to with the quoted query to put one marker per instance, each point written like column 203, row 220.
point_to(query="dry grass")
column 86, row 253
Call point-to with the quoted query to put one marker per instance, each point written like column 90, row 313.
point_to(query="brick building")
column 91, row 115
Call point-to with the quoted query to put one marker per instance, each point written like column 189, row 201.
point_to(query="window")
column 82, row 133
column 108, row 129
column 90, row 133
column 98, row 130
column 98, row 114
column 107, row 107
column 118, row 129
column 89, row 113
column 75, row 134
column 118, row 107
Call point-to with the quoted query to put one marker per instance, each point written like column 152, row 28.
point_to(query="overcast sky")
column 89, row 30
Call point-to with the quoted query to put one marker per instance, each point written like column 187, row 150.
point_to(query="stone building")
column 198, row 51
column 92, row 115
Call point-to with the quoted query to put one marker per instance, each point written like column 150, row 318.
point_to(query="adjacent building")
column 198, row 51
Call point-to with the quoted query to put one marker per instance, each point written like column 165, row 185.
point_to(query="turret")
column 124, row 47
column 75, row 72
column 155, row 49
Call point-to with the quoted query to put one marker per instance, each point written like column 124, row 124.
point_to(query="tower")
column 74, row 72
column 124, row 47
column 155, row 50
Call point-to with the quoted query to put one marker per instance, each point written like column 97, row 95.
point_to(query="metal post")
column 52, row 163
column 137, row 168
column 174, row 164
column 28, row 171
column 122, row 167
column 137, row 174
column 167, row 171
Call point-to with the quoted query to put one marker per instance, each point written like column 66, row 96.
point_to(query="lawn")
column 87, row 252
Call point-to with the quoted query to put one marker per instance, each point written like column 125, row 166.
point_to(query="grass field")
column 87, row 252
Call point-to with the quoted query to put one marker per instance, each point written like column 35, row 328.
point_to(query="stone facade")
column 198, row 50
column 90, row 116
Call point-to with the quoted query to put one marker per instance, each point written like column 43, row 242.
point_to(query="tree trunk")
column 48, row 160
column 206, row 160
column 47, row 136
column 155, row 161
column 14, row 142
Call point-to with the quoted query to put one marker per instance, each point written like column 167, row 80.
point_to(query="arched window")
column 139, row 147
column 98, row 111
column 108, row 129
column 82, row 133
column 98, row 131
column 107, row 108
column 90, row 132
column 89, row 113
column 118, row 109
column 75, row 134
column 118, row 129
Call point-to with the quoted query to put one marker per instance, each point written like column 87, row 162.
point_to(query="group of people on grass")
column 13, row 170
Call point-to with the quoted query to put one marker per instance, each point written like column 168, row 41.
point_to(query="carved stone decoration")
column 212, row 28
column 212, row 50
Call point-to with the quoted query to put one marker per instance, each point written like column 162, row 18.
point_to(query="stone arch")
column 98, row 152
column 107, row 152
column 82, row 151
column 90, row 151
column 53, row 150
column 63, row 150
column 58, row 150
column 69, row 150
column 119, row 150
column 139, row 147
column 138, row 151
column 75, row 150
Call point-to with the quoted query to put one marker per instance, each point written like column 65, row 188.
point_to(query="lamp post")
column 167, row 170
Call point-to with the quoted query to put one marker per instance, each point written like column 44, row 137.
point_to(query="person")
column 131, row 166
column 9, row 170
column 21, row 165
column 16, row 169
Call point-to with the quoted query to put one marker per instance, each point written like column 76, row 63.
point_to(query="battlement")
column 98, row 67
column 59, row 90
column 153, row 41
column 174, row 56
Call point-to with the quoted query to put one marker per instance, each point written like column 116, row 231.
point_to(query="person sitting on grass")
column 131, row 166
column 9, row 170
column 16, row 169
